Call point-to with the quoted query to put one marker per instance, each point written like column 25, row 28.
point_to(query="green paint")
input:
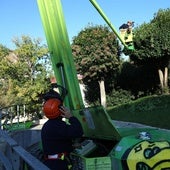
column 96, row 123
column 60, row 50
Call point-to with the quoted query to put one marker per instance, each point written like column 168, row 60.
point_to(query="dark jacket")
column 124, row 26
column 57, row 135
column 57, row 138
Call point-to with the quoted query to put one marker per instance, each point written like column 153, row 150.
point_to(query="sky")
column 21, row 17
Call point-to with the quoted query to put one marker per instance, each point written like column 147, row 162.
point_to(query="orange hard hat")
column 51, row 108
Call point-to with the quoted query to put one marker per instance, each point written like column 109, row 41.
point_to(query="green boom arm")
column 98, row 8
column 60, row 51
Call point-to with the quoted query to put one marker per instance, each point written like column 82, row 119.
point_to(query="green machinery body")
column 109, row 147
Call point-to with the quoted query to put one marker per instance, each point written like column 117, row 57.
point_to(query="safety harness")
column 59, row 156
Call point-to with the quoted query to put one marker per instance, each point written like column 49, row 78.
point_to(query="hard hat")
column 51, row 108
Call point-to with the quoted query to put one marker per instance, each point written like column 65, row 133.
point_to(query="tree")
column 152, row 45
column 24, row 76
column 95, row 51
column 4, row 100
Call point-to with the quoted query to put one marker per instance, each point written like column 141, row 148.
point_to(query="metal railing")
column 21, row 152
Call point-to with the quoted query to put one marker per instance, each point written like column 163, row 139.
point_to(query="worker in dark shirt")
column 57, row 135
column 128, row 25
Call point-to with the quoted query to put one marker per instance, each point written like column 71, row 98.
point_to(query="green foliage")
column 95, row 51
column 3, row 51
column 118, row 97
column 24, row 73
column 152, row 110
column 152, row 40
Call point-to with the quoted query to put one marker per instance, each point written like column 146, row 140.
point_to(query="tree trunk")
column 166, row 77
column 102, row 93
column 163, row 77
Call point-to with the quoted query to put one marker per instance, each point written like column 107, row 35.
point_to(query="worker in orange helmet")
column 56, row 134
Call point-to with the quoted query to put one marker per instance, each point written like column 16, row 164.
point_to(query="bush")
column 118, row 97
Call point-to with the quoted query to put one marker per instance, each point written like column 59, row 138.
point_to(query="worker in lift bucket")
column 128, row 26
column 56, row 134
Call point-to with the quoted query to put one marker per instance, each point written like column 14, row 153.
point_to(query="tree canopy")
column 23, row 72
column 152, row 39
column 95, row 50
